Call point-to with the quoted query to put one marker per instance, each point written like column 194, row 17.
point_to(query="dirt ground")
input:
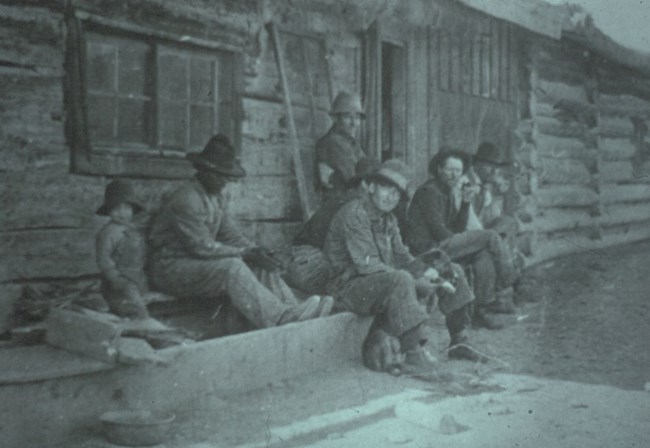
column 586, row 320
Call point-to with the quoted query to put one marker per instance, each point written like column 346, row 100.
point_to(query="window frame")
column 155, row 161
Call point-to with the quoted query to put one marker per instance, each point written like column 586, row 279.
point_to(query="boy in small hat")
column 121, row 253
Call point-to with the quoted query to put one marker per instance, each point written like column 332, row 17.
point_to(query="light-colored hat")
column 347, row 103
column 396, row 173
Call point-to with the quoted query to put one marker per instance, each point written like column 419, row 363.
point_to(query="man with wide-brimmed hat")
column 309, row 269
column 197, row 251
column 435, row 219
column 338, row 151
column 375, row 274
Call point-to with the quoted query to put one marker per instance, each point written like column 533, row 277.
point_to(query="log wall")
column 47, row 224
column 585, row 187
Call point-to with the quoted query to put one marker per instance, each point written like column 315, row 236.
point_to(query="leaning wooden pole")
column 293, row 134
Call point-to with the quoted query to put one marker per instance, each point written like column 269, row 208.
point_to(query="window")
column 143, row 101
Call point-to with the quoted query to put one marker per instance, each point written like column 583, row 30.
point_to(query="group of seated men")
column 349, row 255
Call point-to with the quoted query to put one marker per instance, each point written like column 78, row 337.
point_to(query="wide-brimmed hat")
column 444, row 154
column 394, row 172
column 364, row 169
column 347, row 103
column 118, row 192
column 489, row 153
column 218, row 156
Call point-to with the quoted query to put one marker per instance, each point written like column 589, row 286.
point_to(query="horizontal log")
column 265, row 197
column 616, row 148
column 565, row 196
column 48, row 198
column 9, row 294
column 555, row 127
column 270, row 159
column 618, row 214
column 617, row 171
column 47, row 254
column 265, row 121
column 609, row 126
column 611, row 193
column 548, row 249
column 553, row 220
column 552, row 92
column 564, row 171
column 564, row 148
column 276, row 235
column 623, row 106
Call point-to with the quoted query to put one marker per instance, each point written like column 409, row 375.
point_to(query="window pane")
column 101, row 118
column 173, row 125
column 132, row 121
column 202, row 81
column 100, row 70
column 202, row 125
column 132, row 73
column 172, row 77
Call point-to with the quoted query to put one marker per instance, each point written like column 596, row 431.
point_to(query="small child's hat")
column 117, row 192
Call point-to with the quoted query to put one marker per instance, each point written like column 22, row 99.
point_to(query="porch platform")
column 65, row 393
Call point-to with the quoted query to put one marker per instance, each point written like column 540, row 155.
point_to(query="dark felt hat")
column 118, row 192
column 444, row 154
column 489, row 153
column 365, row 167
column 218, row 156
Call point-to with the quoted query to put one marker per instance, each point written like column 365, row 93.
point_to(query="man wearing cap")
column 197, row 251
column 375, row 274
column 309, row 269
column 338, row 151
column 434, row 219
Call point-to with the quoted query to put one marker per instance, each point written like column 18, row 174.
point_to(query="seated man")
column 375, row 274
column 198, row 252
column 309, row 270
column 493, row 200
column 435, row 220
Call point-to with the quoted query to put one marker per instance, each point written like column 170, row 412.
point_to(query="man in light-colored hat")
column 197, row 251
column 309, row 269
column 375, row 274
column 338, row 151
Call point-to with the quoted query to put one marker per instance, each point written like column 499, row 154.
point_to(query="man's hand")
column 468, row 191
column 261, row 257
column 431, row 275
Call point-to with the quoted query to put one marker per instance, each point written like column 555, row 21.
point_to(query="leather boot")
column 503, row 304
column 480, row 319
column 309, row 309
column 457, row 321
column 460, row 349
